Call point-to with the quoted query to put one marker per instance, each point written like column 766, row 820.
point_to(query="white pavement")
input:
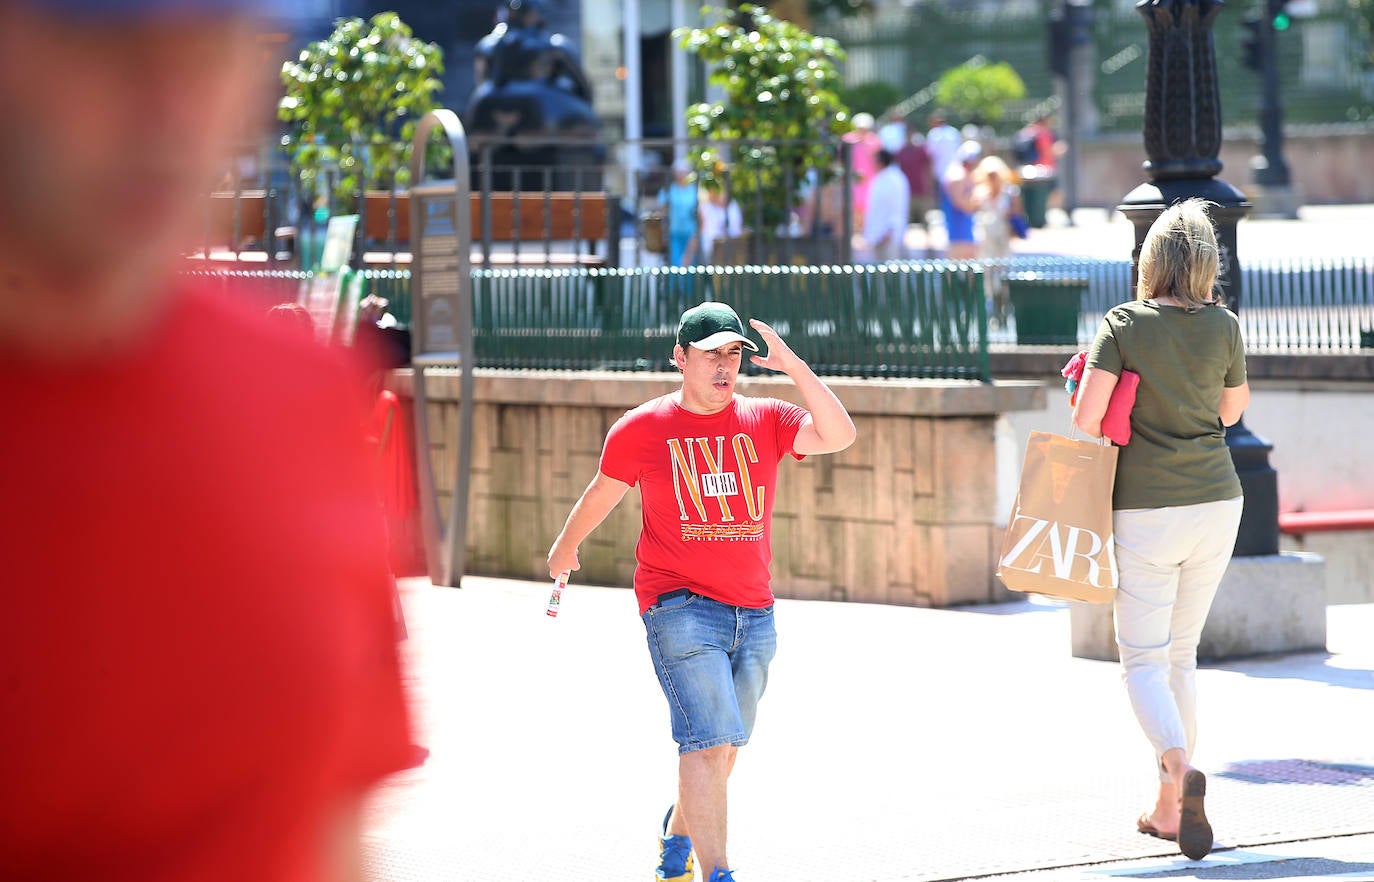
column 1321, row 231
column 893, row 744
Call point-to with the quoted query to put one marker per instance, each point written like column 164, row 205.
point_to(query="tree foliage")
column 781, row 110
column 1364, row 16
column 875, row 97
column 354, row 98
column 977, row 92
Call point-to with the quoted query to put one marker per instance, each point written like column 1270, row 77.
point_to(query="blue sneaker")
column 674, row 855
column 719, row 875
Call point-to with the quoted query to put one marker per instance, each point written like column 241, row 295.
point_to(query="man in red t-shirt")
column 198, row 646
column 706, row 463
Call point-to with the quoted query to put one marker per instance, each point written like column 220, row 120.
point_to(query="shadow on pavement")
column 1280, row 868
column 1316, row 667
column 1299, row 771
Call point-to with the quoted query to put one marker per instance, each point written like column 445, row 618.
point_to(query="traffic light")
column 1251, row 42
column 1278, row 14
column 1060, row 41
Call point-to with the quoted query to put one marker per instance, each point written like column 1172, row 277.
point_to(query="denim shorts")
column 712, row 662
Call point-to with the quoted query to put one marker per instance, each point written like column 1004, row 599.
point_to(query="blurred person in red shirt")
column 198, row 643
column 914, row 161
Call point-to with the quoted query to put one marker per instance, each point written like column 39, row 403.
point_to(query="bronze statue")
column 530, row 84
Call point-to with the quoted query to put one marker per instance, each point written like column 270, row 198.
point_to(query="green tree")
column 977, row 92
column 1363, row 11
column 781, row 113
column 875, row 97
column 354, row 99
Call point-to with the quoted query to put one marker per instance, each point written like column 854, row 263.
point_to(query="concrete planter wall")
column 908, row 515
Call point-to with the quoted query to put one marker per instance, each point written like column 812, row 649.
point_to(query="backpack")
column 1023, row 147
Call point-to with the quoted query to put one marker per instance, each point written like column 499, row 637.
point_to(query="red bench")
column 1298, row 523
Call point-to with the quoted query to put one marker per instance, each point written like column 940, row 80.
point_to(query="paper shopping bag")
column 1059, row 539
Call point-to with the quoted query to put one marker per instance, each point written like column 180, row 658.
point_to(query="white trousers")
column 1171, row 561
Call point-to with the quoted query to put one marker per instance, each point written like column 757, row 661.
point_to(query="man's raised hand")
column 780, row 356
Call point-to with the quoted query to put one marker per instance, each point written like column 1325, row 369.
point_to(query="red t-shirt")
column 198, row 661
column 706, row 483
column 914, row 162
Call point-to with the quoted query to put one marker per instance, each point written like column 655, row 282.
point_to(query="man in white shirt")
column 893, row 134
column 889, row 203
column 719, row 219
column 942, row 142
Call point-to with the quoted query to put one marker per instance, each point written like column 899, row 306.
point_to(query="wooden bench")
column 234, row 230
column 572, row 221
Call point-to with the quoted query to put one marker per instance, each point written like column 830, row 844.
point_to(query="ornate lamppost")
column 1182, row 142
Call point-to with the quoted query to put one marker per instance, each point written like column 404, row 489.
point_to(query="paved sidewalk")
column 894, row 744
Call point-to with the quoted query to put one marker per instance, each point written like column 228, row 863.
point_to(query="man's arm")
column 602, row 495
column 828, row 429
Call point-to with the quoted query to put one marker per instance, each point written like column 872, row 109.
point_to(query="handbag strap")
column 1074, row 430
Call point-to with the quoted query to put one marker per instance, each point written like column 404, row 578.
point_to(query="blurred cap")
column 863, row 121
column 969, row 150
column 146, row 8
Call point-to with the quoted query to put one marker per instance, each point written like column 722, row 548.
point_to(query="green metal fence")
column 917, row 319
column 1286, row 304
column 910, row 320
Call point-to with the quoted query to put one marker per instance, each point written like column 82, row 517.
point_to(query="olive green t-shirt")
column 1177, row 454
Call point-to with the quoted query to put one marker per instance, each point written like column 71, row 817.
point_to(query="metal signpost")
column 441, row 333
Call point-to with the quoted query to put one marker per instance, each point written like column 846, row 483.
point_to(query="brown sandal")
column 1194, row 833
column 1144, row 825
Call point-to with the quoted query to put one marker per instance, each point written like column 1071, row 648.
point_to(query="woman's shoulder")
column 1129, row 311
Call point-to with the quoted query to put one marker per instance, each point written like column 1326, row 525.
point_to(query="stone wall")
column 908, row 515
column 1328, row 166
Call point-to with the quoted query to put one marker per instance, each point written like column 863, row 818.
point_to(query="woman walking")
column 998, row 199
column 1177, row 503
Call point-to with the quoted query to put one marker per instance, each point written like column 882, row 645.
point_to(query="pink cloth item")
column 1116, row 422
column 1072, row 372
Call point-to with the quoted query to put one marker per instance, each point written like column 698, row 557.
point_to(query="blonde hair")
column 989, row 165
column 1180, row 257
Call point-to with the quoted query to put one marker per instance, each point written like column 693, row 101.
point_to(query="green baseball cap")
column 711, row 325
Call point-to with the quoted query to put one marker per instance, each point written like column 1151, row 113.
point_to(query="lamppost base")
column 1259, row 521
column 1273, row 201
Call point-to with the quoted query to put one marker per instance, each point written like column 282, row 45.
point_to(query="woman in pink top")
column 864, row 146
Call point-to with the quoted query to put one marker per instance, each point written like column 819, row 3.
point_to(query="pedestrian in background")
column 863, row 157
column 199, row 646
column 998, row 200
column 680, row 206
column 719, row 218
column 1177, row 502
column 942, row 143
column 889, row 207
column 706, row 462
column 914, row 161
column 958, row 202
column 892, row 135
